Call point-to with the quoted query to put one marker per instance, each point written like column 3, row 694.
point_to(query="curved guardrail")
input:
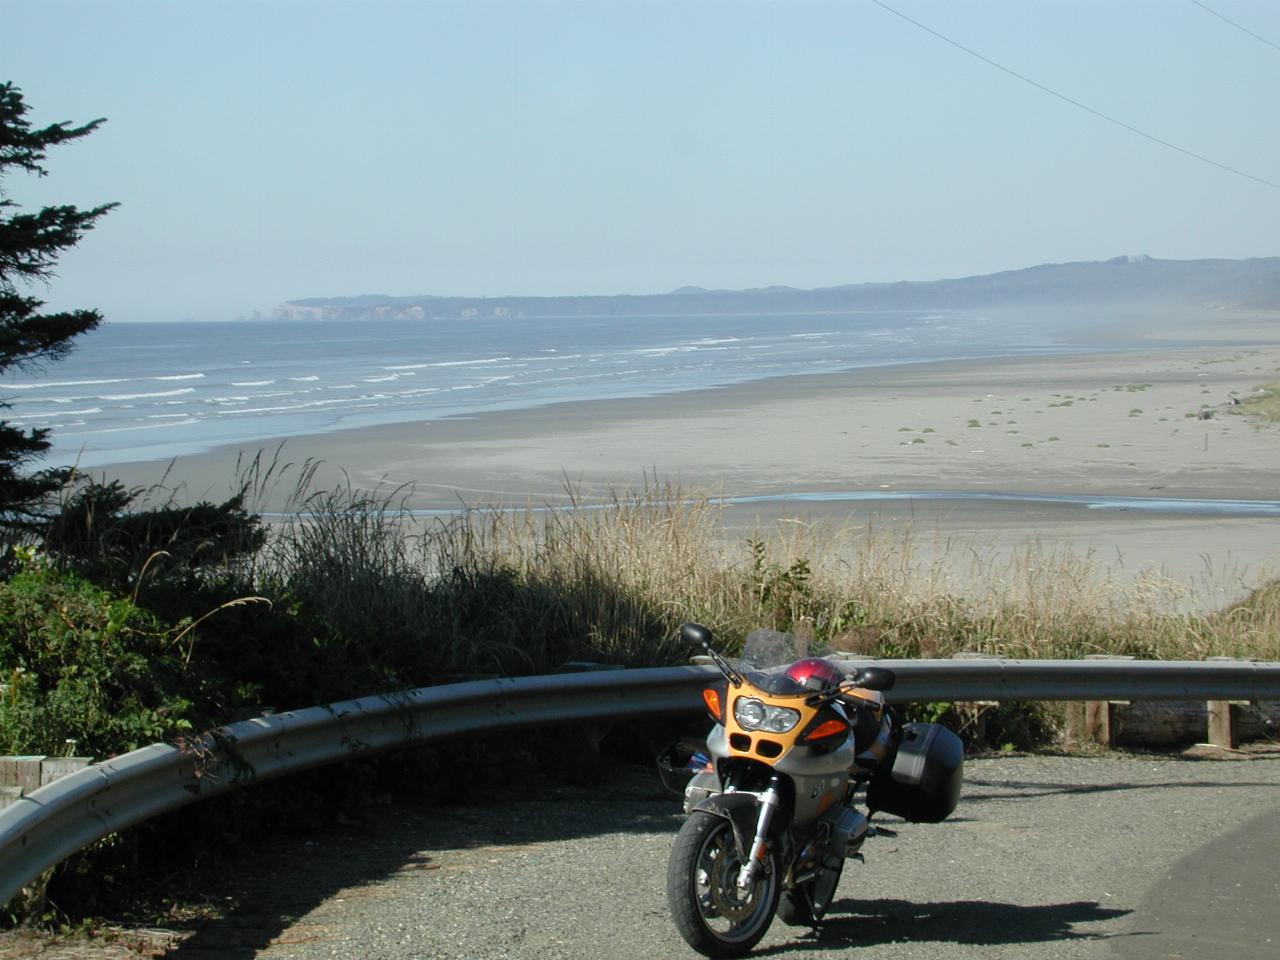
column 51, row 823
column 1104, row 679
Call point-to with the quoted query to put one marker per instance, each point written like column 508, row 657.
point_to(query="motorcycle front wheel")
column 715, row 917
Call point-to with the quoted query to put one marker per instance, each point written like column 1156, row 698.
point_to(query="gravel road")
column 1113, row 856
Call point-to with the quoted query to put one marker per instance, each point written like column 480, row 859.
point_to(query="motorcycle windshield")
column 765, row 656
column 765, row 649
column 776, row 683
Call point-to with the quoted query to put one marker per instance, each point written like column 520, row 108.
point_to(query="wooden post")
column 973, row 714
column 976, row 710
column 980, row 709
column 1221, row 733
column 1098, row 725
column 54, row 768
column 1100, row 715
column 21, row 772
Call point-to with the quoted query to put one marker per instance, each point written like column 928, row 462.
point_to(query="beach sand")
column 1118, row 423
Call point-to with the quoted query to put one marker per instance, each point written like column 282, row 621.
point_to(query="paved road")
column 1047, row 857
column 1104, row 857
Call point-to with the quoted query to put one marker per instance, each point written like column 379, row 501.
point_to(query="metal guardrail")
column 41, row 829
column 994, row 679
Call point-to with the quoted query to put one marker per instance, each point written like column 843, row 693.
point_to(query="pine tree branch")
column 24, row 148
column 31, row 242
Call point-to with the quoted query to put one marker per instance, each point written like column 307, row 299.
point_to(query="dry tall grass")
column 486, row 591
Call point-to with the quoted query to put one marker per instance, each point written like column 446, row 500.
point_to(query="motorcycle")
column 770, row 804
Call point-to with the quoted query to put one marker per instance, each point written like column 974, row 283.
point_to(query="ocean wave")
column 310, row 379
column 45, row 415
column 588, row 376
column 420, row 391
column 478, row 385
column 378, row 398
column 146, row 396
column 683, row 348
column 307, row 405
column 97, row 383
column 277, row 409
column 143, row 426
column 394, row 376
column 251, row 383
column 59, row 399
column 65, row 383
column 446, row 363
column 555, row 359
column 469, row 363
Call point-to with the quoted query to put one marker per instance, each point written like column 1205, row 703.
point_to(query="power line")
column 1076, row 103
column 1208, row 9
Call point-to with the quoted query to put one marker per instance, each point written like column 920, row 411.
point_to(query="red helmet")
column 814, row 673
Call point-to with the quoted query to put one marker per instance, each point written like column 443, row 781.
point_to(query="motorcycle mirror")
column 695, row 635
column 876, row 678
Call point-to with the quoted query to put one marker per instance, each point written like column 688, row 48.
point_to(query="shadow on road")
column 259, row 900
column 863, row 923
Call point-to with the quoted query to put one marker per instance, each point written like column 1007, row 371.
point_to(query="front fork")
column 770, row 800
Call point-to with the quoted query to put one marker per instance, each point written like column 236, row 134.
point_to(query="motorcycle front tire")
column 712, row 915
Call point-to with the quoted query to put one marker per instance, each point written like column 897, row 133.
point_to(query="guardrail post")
column 588, row 735
column 1098, row 722
column 1222, row 729
column 19, row 776
column 976, row 710
column 21, row 772
column 54, row 768
column 1100, row 725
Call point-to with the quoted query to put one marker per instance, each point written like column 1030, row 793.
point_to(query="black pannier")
column 922, row 784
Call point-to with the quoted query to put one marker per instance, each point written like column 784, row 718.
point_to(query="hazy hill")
column 1132, row 282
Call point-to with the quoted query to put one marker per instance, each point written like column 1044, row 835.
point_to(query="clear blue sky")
column 263, row 151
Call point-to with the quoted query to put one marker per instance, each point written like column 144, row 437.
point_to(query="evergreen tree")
column 30, row 244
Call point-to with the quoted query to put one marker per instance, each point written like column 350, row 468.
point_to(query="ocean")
column 153, row 391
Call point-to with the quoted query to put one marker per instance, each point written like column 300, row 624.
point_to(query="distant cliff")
column 1135, row 282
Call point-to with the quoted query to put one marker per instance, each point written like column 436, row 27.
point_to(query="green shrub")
column 79, row 665
column 100, row 532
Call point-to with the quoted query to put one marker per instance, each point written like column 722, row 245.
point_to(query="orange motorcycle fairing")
column 764, row 745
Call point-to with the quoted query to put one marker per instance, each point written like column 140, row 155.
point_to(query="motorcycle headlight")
column 753, row 714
